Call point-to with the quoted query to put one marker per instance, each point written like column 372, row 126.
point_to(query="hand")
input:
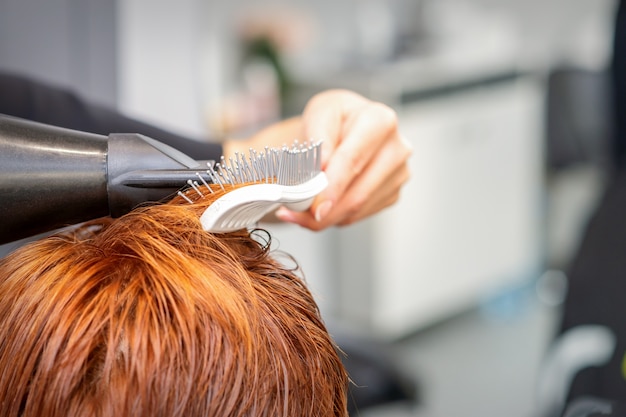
column 364, row 156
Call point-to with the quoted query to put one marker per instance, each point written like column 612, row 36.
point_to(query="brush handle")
column 245, row 206
column 300, row 197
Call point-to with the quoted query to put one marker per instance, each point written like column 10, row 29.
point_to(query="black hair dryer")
column 52, row 177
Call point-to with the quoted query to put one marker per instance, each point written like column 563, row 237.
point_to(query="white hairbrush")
column 287, row 176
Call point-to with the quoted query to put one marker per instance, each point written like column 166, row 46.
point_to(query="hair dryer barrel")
column 52, row 177
column 49, row 178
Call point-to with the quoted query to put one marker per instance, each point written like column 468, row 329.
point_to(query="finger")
column 323, row 125
column 324, row 116
column 304, row 219
column 369, row 129
column 378, row 188
column 386, row 197
column 379, row 184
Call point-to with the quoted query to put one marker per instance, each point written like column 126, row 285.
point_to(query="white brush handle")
column 245, row 206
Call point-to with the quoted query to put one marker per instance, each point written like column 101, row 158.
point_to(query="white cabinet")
column 469, row 221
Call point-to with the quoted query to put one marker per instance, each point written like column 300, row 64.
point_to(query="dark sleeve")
column 32, row 100
column 618, row 73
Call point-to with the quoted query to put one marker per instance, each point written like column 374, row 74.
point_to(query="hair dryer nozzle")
column 141, row 169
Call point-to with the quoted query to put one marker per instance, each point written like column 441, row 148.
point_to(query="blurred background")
column 505, row 103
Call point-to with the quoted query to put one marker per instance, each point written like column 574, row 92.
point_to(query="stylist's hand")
column 364, row 156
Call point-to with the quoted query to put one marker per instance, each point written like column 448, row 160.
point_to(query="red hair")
column 148, row 315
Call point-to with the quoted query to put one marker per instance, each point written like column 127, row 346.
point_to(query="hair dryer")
column 52, row 177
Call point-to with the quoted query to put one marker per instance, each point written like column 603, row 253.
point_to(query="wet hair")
column 149, row 315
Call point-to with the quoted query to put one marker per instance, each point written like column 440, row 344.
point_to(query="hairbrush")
column 289, row 176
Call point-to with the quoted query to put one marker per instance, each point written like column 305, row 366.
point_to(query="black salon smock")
column 29, row 99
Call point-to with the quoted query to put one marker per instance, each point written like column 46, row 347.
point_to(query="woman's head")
column 148, row 315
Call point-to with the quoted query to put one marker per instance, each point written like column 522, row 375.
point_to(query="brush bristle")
column 284, row 166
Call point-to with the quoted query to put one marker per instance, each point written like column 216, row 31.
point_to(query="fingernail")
column 323, row 210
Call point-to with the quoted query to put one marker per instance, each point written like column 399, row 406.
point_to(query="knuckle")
column 354, row 206
column 393, row 200
column 407, row 147
column 318, row 100
column 348, row 222
column 329, row 96
column 405, row 175
column 352, row 163
column 386, row 115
